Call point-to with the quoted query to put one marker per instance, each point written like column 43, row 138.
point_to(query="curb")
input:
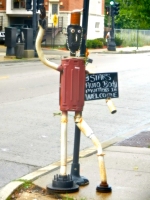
column 7, row 190
column 122, row 52
column 55, row 57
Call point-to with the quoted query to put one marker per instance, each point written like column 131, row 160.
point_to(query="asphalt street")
column 29, row 131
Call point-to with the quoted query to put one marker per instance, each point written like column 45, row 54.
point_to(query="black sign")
column 101, row 86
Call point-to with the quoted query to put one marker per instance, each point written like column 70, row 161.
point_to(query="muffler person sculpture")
column 72, row 90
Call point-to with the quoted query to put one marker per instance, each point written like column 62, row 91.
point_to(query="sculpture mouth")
column 73, row 46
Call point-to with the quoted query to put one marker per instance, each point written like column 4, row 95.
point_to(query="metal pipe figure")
column 72, row 87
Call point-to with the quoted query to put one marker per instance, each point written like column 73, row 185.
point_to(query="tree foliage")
column 133, row 14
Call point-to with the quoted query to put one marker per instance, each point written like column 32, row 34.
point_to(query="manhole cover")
column 140, row 140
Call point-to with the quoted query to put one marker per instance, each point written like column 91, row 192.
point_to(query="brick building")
column 14, row 11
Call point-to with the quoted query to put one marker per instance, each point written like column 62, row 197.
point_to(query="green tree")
column 133, row 14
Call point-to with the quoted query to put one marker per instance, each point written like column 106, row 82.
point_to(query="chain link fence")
column 133, row 37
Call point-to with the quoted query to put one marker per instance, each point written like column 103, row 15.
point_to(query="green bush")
column 118, row 41
column 101, row 44
column 96, row 43
column 89, row 44
column 103, row 40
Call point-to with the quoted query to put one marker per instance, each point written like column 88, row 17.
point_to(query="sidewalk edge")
column 120, row 52
column 8, row 189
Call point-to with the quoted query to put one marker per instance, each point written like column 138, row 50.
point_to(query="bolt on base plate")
column 63, row 184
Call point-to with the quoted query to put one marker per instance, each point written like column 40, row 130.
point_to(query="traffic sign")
column 55, row 20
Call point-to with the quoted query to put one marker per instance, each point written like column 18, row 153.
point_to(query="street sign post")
column 55, row 22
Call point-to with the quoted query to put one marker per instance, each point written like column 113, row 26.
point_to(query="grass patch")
column 29, row 187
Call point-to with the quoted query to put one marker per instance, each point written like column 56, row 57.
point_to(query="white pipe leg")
column 64, row 121
column 84, row 127
column 102, row 169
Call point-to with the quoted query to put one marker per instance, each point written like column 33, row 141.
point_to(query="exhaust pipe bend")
column 83, row 126
column 40, row 52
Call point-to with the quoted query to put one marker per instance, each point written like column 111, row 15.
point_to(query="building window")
column 15, row 4
column 97, row 25
column 22, row 3
column 54, row 9
column 18, row 4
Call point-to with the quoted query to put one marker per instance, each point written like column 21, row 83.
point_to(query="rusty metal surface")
column 140, row 140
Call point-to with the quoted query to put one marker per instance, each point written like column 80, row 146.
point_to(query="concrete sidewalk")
column 128, row 174
column 123, row 50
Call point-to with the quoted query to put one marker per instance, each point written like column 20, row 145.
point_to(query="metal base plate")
column 63, row 184
column 103, row 189
column 80, row 180
column 111, row 46
column 74, row 188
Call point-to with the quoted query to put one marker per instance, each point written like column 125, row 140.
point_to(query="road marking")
column 4, row 77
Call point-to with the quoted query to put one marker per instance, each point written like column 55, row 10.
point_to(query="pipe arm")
column 40, row 52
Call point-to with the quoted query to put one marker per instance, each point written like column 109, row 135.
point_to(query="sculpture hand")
column 42, row 20
column 42, row 12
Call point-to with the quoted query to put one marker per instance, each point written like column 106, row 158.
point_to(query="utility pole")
column 36, row 5
column 84, row 26
column 34, row 25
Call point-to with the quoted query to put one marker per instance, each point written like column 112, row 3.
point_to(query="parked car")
column 2, row 36
column 19, row 34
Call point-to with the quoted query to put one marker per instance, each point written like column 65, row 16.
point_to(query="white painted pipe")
column 102, row 169
column 101, row 162
column 40, row 52
column 64, row 122
column 111, row 106
column 83, row 126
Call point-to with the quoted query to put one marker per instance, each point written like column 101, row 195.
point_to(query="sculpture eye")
column 79, row 31
column 72, row 30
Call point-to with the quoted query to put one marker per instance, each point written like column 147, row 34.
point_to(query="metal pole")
column 75, row 165
column 112, row 29
column 137, row 38
column 84, row 26
column 34, row 25
column 54, row 38
column 111, row 46
column 75, row 168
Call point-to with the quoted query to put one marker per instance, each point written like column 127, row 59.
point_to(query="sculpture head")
column 74, row 38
